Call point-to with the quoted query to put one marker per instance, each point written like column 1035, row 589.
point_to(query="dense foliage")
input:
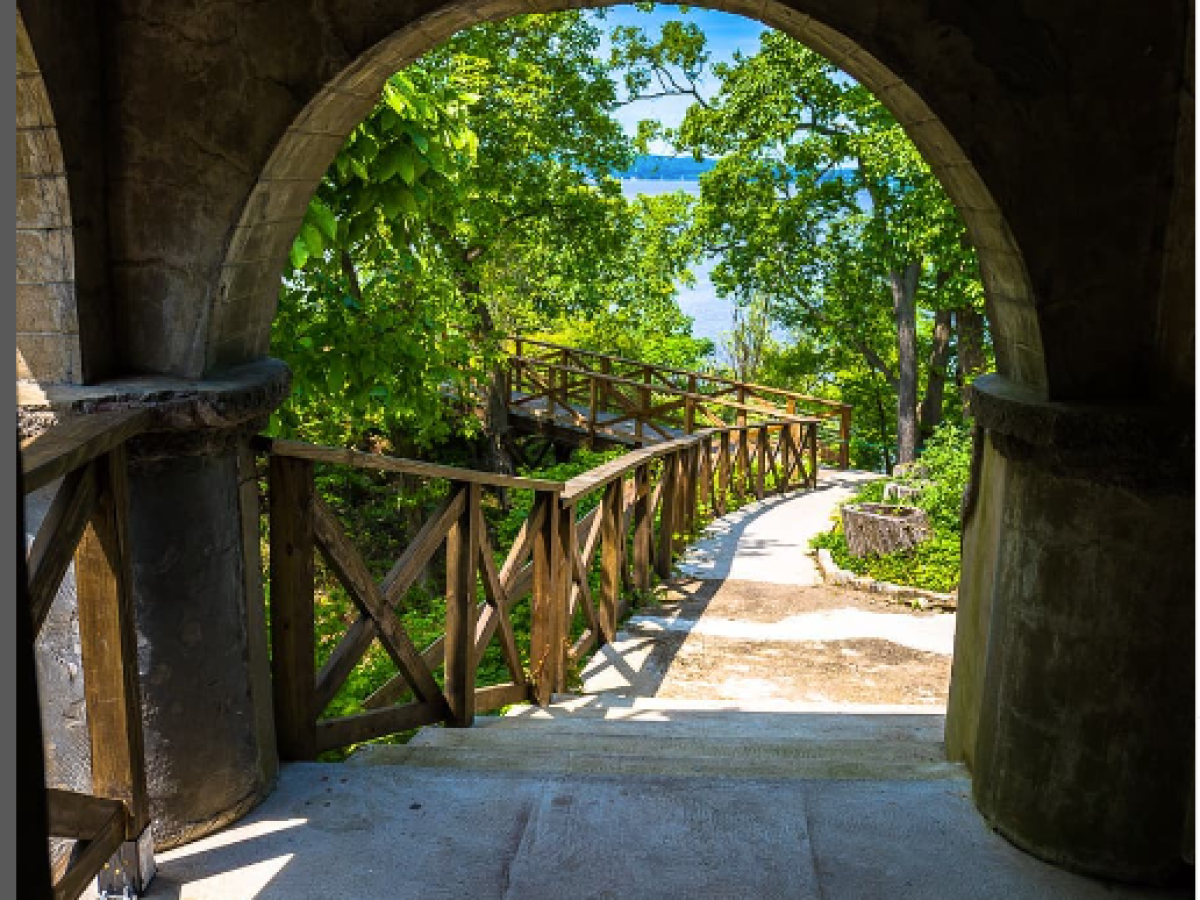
column 934, row 565
column 479, row 198
column 820, row 209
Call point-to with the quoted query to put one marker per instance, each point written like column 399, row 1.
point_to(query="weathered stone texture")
column 193, row 134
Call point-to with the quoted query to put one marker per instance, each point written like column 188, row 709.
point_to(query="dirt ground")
column 871, row 670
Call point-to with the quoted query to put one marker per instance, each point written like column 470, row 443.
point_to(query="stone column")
column 1072, row 692
column 202, row 648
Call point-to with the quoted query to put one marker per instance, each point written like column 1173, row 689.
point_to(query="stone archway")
column 192, row 139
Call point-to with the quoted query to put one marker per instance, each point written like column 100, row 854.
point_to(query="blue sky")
column 726, row 34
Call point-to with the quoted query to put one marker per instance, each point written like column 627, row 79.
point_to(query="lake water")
column 711, row 316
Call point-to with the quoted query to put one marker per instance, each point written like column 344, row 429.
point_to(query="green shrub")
column 935, row 564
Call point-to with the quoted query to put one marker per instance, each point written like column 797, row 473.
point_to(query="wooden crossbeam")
column 56, row 540
column 100, row 822
column 350, row 569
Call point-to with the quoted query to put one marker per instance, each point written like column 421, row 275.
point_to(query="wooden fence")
column 575, row 569
column 643, row 403
column 87, row 522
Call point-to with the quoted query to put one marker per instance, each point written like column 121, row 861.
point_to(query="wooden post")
column 691, row 492
column 723, row 462
column 706, row 475
column 666, row 521
column 785, row 456
column 643, row 412
column 593, row 409
column 293, row 674
column 813, row 461
column 741, row 398
column 517, row 365
column 547, row 638
column 108, row 645
column 462, row 552
column 689, row 407
column 643, row 528
column 760, row 454
column 844, row 461
column 744, row 482
column 606, row 370
column 612, row 537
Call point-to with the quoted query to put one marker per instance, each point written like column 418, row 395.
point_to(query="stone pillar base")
column 1072, row 696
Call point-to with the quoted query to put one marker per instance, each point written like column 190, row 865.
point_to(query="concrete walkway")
column 754, row 736
column 767, row 541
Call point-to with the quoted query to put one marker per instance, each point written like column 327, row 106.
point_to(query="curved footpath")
column 749, row 621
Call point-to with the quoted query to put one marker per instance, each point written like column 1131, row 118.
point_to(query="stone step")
column 685, row 723
column 802, row 763
column 608, row 702
column 683, row 744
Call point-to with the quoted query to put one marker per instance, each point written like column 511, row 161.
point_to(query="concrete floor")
column 335, row 831
column 664, row 780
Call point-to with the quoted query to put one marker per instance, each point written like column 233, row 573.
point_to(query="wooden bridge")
column 579, row 397
column 586, row 547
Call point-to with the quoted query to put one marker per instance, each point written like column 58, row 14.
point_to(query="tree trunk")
column 904, row 307
column 971, row 359
column 935, row 382
column 495, row 405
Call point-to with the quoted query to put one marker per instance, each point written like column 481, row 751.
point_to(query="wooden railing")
column 584, row 547
column 87, row 522
column 599, row 393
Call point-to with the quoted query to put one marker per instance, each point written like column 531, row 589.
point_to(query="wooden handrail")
column 75, row 442
column 835, row 405
column 651, row 498
column 582, row 485
column 361, row 460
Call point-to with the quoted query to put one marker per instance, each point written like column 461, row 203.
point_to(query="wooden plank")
column 551, row 583
column 724, row 458
column 498, row 695
column 376, row 723
column 522, row 547
column 760, row 455
column 93, row 856
column 582, row 590
column 813, row 461
column 80, row 816
column 359, row 459
column 785, row 456
column 342, row 660
column 56, row 540
column 462, row 553
column 75, row 441
column 421, row 548
column 494, row 612
column 612, row 543
column 583, row 644
column 346, row 562
column 108, row 646
column 666, row 522
column 643, row 528
column 292, row 584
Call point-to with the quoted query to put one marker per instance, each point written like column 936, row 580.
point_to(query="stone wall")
column 47, row 324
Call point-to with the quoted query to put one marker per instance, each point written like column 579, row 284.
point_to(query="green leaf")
column 324, row 219
column 298, row 254
column 407, row 169
column 312, row 239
